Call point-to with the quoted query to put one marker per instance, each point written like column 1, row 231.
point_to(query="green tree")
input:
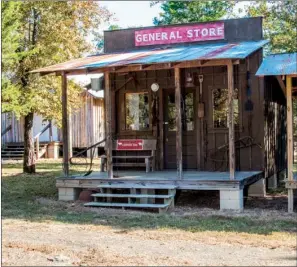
column 175, row 12
column 37, row 34
column 279, row 23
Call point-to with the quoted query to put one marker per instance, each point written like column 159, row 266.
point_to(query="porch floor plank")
column 132, row 195
column 128, row 205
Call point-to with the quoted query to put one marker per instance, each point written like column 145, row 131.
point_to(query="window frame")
column 122, row 111
column 211, row 110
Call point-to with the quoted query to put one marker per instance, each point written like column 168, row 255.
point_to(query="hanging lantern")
column 189, row 80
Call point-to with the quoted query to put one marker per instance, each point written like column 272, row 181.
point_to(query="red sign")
column 180, row 34
column 130, row 144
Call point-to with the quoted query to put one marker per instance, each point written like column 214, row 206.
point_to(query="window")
column 189, row 112
column 187, row 106
column 171, row 112
column 137, row 111
column 220, row 108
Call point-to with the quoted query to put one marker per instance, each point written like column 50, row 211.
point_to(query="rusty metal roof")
column 278, row 64
column 238, row 50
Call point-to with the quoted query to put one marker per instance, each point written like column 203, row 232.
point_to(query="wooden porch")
column 231, row 191
column 192, row 180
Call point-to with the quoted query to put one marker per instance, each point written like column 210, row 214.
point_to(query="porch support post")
column 179, row 146
column 290, row 141
column 231, row 120
column 70, row 143
column 108, row 103
column 65, row 125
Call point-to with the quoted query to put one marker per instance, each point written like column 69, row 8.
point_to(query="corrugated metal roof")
column 238, row 50
column 278, row 64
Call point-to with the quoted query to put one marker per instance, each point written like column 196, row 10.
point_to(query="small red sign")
column 180, row 34
column 130, row 144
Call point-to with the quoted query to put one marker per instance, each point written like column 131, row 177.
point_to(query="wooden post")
column 37, row 147
column 50, row 131
column 231, row 120
column 161, row 130
column 65, row 125
column 108, row 102
column 70, row 135
column 179, row 146
column 290, row 140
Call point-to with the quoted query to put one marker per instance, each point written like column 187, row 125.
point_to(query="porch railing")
column 6, row 130
column 78, row 157
column 36, row 140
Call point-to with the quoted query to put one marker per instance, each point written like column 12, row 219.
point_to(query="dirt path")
column 54, row 244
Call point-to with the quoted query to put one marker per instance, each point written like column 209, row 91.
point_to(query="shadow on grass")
column 19, row 193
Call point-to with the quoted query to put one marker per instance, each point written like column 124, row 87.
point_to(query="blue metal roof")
column 196, row 52
column 278, row 64
column 208, row 51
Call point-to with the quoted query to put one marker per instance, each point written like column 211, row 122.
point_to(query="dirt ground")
column 27, row 243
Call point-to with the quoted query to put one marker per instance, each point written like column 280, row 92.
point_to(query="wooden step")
column 132, row 195
column 127, row 205
column 137, row 186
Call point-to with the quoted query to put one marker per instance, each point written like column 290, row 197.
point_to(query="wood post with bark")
column 179, row 146
column 290, row 141
column 231, row 120
column 65, row 125
column 108, row 130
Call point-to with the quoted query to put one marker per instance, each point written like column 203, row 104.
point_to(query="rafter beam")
column 281, row 84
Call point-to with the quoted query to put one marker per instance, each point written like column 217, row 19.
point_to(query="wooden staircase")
column 139, row 196
column 16, row 150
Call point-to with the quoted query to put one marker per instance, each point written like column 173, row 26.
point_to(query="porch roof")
column 103, row 62
column 278, row 64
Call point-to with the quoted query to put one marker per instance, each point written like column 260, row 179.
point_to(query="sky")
column 137, row 13
column 132, row 13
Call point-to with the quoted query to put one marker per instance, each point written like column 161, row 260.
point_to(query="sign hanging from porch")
column 130, row 144
column 180, row 34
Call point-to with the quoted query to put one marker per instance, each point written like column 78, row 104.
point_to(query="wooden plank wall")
column 165, row 79
column 16, row 134
column 88, row 122
column 251, row 122
column 275, row 127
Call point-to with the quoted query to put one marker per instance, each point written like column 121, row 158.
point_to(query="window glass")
column 189, row 112
column 220, row 108
column 171, row 112
column 137, row 111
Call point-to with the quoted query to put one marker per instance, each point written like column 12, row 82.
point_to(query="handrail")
column 43, row 130
column 92, row 156
column 82, row 152
column 8, row 128
column 36, row 137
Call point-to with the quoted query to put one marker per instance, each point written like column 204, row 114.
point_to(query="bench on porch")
column 132, row 146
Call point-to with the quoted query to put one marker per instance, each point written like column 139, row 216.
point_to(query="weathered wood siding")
column 275, row 127
column 236, row 30
column 88, row 122
column 209, row 139
column 87, row 125
column 16, row 134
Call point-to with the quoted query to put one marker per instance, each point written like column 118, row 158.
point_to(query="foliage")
column 37, row 34
column 279, row 23
column 192, row 11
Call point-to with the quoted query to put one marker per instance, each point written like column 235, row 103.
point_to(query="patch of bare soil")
column 54, row 244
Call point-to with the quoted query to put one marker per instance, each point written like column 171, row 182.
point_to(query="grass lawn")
column 20, row 194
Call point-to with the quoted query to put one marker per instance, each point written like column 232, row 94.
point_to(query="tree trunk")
column 29, row 153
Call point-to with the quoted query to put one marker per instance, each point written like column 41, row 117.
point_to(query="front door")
column 188, row 126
